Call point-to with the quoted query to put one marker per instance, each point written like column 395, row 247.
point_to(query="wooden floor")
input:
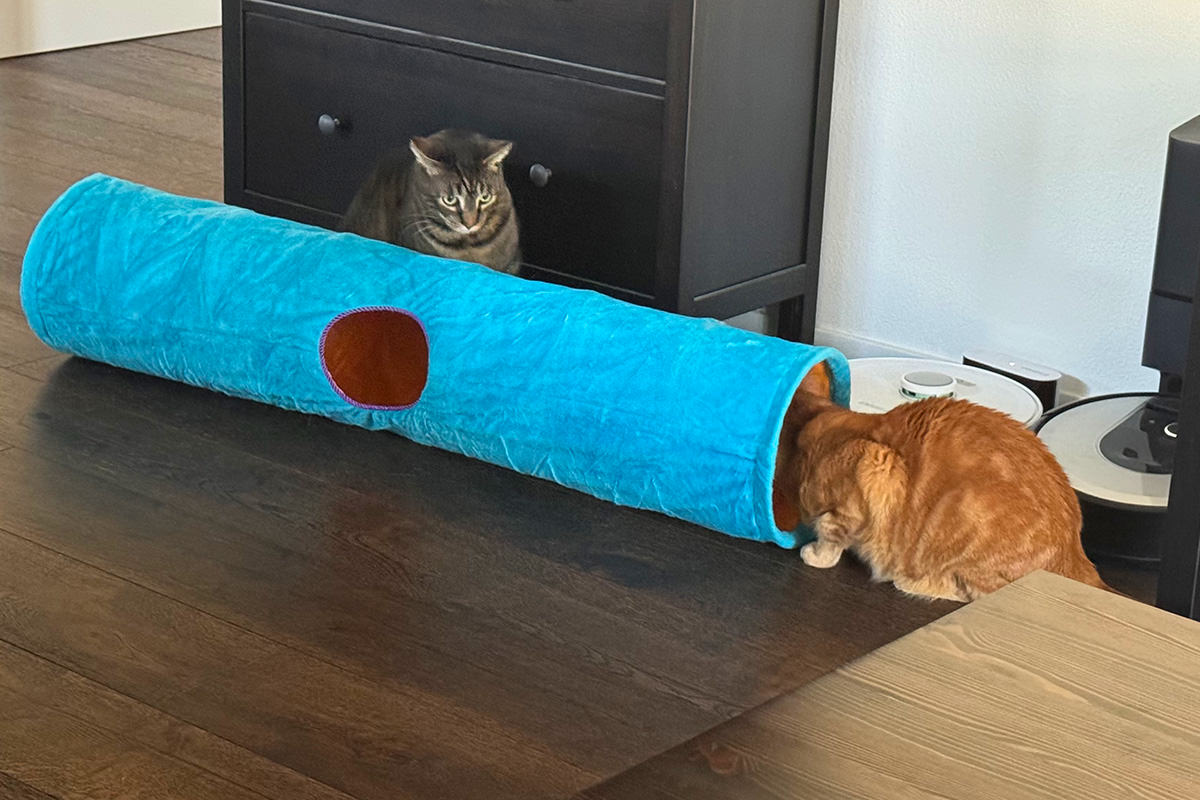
column 207, row 598
column 1045, row 690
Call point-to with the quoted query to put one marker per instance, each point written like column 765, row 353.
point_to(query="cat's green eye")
column 485, row 198
column 450, row 201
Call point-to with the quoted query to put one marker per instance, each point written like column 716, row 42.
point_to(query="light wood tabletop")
column 1045, row 689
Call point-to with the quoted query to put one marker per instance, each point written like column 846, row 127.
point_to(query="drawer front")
column 622, row 35
column 595, row 218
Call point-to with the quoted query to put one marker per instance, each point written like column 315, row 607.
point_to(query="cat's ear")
column 500, row 151
column 422, row 149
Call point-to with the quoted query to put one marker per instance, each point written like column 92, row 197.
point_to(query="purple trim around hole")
column 362, row 310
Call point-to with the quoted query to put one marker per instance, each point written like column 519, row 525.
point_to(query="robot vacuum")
column 1118, row 451
column 880, row 384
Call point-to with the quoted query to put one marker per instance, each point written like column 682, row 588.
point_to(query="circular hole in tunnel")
column 376, row 357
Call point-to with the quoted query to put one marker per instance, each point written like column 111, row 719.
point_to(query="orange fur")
column 943, row 497
column 817, row 383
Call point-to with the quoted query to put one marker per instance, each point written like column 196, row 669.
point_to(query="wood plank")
column 205, row 43
column 1047, row 689
column 347, row 614
column 44, row 119
column 13, row 789
column 119, row 105
column 22, row 85
column 59, row 692
column 18, row 345
column 51, row 165
column 363, row 737
column 137, row 72
column 165, row 546
column 397, row 654
column 40, row 369
column 78, row 760
column 16, row 225
column 30, row 189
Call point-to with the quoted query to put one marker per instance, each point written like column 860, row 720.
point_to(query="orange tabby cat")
column 943, row 497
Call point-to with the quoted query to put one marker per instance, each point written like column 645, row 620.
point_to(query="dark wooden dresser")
column 668, row 152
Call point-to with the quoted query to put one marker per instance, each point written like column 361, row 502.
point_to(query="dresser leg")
column 796, row 320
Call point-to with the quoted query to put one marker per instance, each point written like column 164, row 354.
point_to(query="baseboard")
column 854, row 346
column 45, row 25
column 849, row 344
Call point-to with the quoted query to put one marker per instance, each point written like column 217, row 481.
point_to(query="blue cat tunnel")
column 633, row 405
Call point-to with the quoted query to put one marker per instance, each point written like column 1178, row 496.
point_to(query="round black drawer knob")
column 539, row 175
column 329, row 124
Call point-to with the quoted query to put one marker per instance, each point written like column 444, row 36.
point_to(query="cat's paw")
column 816, row 555
column 932, row 589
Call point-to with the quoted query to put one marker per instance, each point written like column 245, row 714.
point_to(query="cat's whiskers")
column 422, row 226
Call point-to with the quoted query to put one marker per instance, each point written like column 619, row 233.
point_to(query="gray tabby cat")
column 444, row 196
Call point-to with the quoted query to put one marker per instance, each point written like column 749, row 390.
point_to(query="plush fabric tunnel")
column 633, row 405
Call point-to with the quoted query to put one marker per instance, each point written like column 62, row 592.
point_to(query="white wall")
column 995, row 174
column 34, row 26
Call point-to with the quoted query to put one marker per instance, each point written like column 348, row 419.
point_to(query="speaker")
column 1176, row 259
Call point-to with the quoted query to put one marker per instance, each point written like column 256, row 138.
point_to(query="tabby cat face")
column 460, row 184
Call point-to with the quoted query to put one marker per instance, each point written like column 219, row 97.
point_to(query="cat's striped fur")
column 444, row 195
